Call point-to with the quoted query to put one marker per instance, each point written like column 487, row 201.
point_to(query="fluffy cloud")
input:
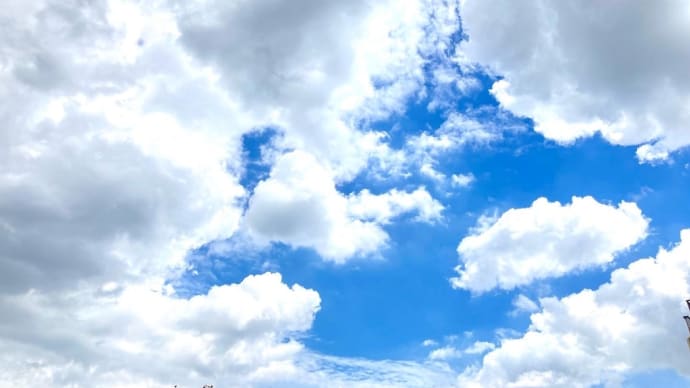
column 317, row 67
column 459, row 130
column 300, row 205
column 450, row 352
column 232, row 333
column 120, row 151
column 445, row 353
column 523, row 304
column 456, row 131
column 578, row 70
column 99, row 179
column 462, row 180
column 630, row 324
column 429, row 342
column 545, row 240
column 383, row 207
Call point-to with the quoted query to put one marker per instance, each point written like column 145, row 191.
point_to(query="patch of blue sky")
column 253, row 148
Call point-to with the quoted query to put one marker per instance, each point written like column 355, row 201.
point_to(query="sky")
column 311, row 193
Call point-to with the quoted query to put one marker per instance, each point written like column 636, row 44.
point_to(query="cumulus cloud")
column 523, row 304
column 457, row 132
column 331, row 64
column 545, row 240
column 299, row 205
column 578, row 70
column 99, row 179
column 383, row 207
column 479, row 347
column 462, row 180
column 450, row 352
column 228, row 334
column 120, row 151
column 630, row 324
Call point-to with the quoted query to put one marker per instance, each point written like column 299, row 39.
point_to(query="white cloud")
column 429, row 342
column 465, row 130
column 462, row 180
column 421, row 151
column 229, row 334
column 448, row 84
column 101, row 179
column 430, row 171
column 479, row 347
column 578, row 70
column 300, row 205
column 320, row 371
column 445, row 353
column 316, row 78
column 383, row 207
column 458, row 131
column 120, row 151
column 101, row 146
column 546, row 240
column 630, row 324
column 450, row 352
column 523, row 304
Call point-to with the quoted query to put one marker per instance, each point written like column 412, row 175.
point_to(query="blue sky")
column 408, row 193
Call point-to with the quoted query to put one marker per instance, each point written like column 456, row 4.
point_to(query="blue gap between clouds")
column 255, row 169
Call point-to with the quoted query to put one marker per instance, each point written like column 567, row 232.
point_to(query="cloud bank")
column 579, row 69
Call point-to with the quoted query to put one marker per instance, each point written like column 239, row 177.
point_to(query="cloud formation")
column 101, row 179
column 235, row 332
column 299, row 205
column 121, row 152
column 317, row 68
column 546, row 240
column 630, row 324
column 578, row 70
